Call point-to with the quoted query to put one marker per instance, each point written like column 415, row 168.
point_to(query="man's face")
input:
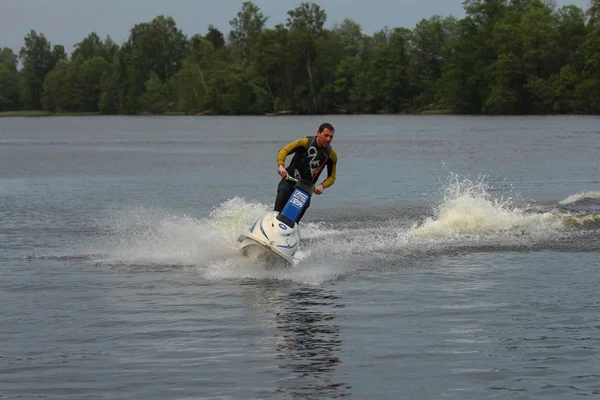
column 324, row 138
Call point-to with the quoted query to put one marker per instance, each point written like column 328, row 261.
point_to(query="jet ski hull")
column 263, row 253
column 271, row 240
column 276, row 236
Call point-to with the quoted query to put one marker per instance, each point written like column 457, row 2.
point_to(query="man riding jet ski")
column 276, row 235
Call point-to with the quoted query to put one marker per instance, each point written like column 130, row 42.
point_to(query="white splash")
column 594, row 195
column 143, row 237
column 469, row 209
column 148, row 236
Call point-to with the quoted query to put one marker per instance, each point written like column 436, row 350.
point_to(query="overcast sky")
column 68, row 22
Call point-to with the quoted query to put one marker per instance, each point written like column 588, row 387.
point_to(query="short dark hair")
column 326, row 125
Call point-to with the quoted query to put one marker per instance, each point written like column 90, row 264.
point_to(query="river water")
column 455, row 257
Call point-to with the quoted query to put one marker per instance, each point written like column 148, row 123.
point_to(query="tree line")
column 503, row 57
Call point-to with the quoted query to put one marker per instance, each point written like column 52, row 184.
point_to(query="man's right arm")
column 291, row 148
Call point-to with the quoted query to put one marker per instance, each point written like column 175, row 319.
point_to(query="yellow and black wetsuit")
column 308, row 162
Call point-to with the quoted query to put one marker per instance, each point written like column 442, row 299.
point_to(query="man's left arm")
column 331, row 171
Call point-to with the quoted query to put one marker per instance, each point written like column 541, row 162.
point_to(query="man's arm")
column 331, row 169
column 285, row 151
column 291, row 148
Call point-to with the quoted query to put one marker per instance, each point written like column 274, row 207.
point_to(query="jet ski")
column 275, row 237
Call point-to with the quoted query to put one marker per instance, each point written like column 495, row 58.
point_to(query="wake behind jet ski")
column 275, row 237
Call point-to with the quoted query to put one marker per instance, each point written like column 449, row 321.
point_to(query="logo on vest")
column 313, row 161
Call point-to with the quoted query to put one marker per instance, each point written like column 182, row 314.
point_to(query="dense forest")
column 503, row 57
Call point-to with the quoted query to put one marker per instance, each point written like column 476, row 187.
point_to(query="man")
column 311, row 155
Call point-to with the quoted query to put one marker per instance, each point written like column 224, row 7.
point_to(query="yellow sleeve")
column 288, row 148
column 331, row 169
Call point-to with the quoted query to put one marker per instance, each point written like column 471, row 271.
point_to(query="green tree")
column 154, row 99
column 92, row 46
column 9, row 81
column 112, row 95
column 245, row 29
column 215, row 37
column 38, row 59
column 588, row 90
column 350, row 37
column 191, row 89
column 384, row 84
column 429, row 40
column 89, row 81
column 60, row 87
column 8, row 56
column 272, row 65
column 305, row 24
column 464, row 84
column 156, row 47
column 232, row 93
column 569, row 33
column 526, row 48
column 349, row 46
column 308, row 16
column 9, row 88
column 593, row 13
column 503, row 57
column 556, row 94
column 507, row 74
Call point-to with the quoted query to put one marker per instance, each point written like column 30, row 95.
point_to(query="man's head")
column 325, row 134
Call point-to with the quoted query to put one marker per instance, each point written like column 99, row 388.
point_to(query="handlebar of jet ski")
column 305, row 185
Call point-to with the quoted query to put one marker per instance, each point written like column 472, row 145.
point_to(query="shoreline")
column 43, row 114
column 8, row 114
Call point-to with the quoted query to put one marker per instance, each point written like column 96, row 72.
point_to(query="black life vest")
column 308, row 163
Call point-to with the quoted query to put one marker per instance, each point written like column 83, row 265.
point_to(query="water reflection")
column 307, row 339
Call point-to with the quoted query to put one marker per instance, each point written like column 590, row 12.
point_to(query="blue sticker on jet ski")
column 263, row 230
column 295, row 204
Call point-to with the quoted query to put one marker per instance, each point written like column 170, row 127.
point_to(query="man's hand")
column 282, row 172
column 319, row 189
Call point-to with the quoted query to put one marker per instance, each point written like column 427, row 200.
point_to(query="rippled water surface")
column 455, row 257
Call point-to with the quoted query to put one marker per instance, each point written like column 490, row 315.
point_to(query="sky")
column 67, row 22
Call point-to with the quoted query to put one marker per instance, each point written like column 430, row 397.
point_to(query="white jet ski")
column 275, row 237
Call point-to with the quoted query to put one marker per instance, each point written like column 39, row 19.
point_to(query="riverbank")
column 50, row 114
column 42, row 114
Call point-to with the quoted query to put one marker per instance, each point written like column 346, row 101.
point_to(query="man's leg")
column 284, row 191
